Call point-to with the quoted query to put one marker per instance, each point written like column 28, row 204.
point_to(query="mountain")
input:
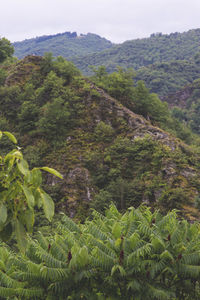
column 143, row 52
column 104, row 150
column 164, row 62
column 130, row 54
column 166, row 78
column 186, row 105
column 66, row 44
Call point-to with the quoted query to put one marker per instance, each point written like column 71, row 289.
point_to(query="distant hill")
column 186, row 105
column 65, row 44
column 168, row 77
column 91, row 49
column 143, row 52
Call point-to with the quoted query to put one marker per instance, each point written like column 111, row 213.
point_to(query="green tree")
column 53, row 87
column 65, row 69
column 10, row 101
column 6, row 49
column 55, row 119
column 28, row 116
column 149, row 105
column 118, row 84
column 103, row 132
column 47, row 63
column 3, row 75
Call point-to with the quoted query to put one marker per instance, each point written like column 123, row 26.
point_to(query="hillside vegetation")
column 168, row 77
column 164, row 62
column 185, row 105
column 66, row 44
column 98, row 143
column 143, row 52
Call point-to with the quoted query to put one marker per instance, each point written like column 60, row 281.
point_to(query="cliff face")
column 105, row 152
column 180, row 98
column 136, row 124
column 186, row 103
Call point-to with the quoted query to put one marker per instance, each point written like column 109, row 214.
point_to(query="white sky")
column 116, row 20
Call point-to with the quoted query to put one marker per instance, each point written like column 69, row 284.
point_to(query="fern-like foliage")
column 136, row 255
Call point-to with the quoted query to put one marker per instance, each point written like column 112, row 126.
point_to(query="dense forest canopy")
column 185, row 105
column 164, row 62
column 66, row 44
column 143, row 52
column 168, row 77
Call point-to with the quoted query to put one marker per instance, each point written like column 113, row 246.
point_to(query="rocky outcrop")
column 23, row 70
column 137, row 124
column 179, row 98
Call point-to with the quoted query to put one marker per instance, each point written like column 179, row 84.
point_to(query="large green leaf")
column 117, row 230
column 37, row 196
column 13, row 154
column 52, row 171
column 21, row 235
column 3, row 213
column 29, row 218
column 29, row 196
column 166, row 255
column 48, row 205
column 35, row 177
column 119, row 268
column 23, row 167
column 10, row 136
column 83, row 256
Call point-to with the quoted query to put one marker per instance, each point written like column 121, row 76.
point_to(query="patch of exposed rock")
column 79, row 188
column 179, row 98
column 137, row 124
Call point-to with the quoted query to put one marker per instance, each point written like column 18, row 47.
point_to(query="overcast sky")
column 116, row 20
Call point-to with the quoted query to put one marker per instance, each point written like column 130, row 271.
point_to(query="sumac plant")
column 136, row 255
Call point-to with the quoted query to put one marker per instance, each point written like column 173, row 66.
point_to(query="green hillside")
column 130, row 54
column 143, row 52
column 65, row 44
column 99, row 144
column 164, row 62
column 168, row 77
column 186, row 105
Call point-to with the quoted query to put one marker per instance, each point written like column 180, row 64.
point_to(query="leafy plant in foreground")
column 20, row 194
column 136, row 255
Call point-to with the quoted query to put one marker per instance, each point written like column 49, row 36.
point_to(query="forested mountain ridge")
column 166, row 78
column 66, row 44
column 104, row 150
column 164, row 62
column 143, row 52
column 134, row 53
column 185, row 105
